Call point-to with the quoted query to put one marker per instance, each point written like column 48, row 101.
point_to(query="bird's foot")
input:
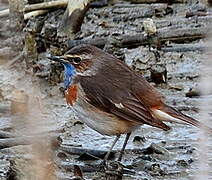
column 102, row 165
column 114, row 169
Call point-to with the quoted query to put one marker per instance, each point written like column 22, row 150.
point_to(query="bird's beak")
column 59, row 59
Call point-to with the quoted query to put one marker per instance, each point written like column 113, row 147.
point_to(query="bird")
column 111, row 98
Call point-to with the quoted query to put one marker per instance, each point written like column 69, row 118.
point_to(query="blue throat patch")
column 69, row 72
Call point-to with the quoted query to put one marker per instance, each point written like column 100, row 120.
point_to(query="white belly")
column 103, row 122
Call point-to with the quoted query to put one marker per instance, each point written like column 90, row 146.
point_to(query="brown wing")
column 119, row 90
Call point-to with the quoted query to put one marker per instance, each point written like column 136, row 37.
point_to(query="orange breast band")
column 71, row 94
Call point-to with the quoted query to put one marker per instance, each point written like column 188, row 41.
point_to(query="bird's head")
column 78, row 60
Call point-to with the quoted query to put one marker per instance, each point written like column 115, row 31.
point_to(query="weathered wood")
column 196, row 13
column 158, row 1
column 73, row 17
column 35, row 1
column 38, row 6
column 184, row 22
column 172, row 34
column 158, row 73
column 46, row 5
column 98, row 42
column 80, row 151
column 92, row 167
column 34, row 14
column 184, row 48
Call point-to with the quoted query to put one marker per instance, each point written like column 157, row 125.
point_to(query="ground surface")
column 180, row 145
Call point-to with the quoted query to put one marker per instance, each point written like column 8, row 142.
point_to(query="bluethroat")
column 110, row 97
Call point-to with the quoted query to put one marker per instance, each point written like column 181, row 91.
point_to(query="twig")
column 34, row 14
column 39, row 6
column 46, row 5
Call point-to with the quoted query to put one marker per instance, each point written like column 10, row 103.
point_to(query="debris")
column 158, row 73
column 193, row 93
column 149, row 27
column 139, row 139
column 114, row 171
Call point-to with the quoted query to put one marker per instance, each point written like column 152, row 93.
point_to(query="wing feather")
column 116, row 84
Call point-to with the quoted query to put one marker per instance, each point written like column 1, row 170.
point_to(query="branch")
column 165, row 34
column 39, row 6
column 46, row 5
column 34, row 14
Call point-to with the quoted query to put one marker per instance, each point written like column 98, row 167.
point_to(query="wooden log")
column 186, row 34
column 157, row 1
column 184, row 48
column 92, row 167
column 80, row 151
column 196, row 13
column 39, row 6
column 34, row 14
column 46, row 5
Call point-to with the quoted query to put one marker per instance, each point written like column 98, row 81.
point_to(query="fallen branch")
column 80, row 151
column 46, row 5
column 39, row 6
column 89, row 168
column 34, row 14
column 165, row 34
column 184, row 48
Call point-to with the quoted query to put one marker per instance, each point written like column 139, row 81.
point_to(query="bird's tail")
column 167, row 113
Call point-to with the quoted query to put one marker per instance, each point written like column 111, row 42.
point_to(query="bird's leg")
column 124, row 145
column 108, row 153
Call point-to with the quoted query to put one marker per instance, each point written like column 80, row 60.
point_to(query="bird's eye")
column 76, row 60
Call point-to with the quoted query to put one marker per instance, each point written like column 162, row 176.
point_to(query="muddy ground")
column 176, row 153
